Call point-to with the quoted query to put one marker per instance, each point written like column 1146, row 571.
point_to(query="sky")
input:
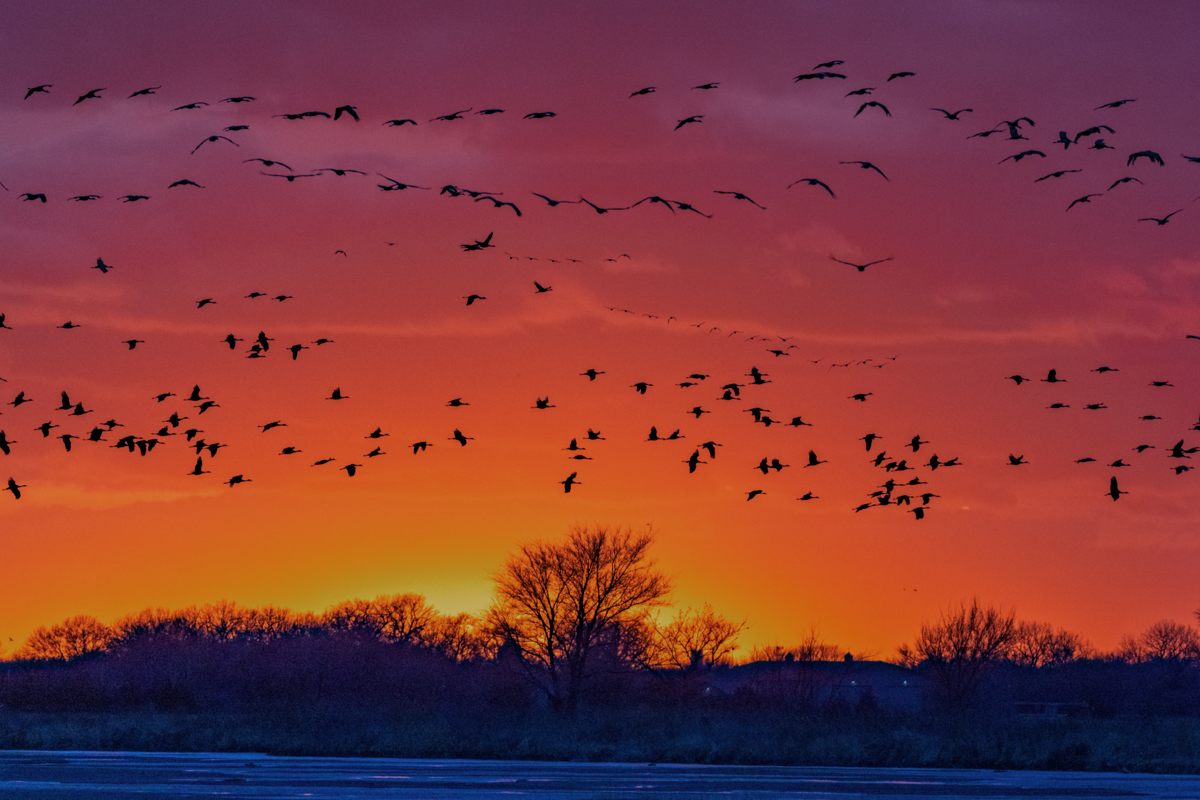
column 991, row 276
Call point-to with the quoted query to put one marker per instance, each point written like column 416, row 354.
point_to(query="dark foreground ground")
column 51, row 775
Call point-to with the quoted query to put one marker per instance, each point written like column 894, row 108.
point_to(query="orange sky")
column 991, row 277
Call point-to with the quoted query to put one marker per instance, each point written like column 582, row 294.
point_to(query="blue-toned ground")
column 50, row 775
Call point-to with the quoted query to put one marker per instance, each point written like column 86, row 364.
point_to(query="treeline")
column 579, row 643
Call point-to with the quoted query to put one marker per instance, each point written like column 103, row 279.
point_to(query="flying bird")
column 90, row 94
column 1114, row 490
column 1160, row 220
column 216, row 137
column 1056, row 174
column 813, row 182
column 863, row 267
column 1149, row 155
column 1087, row 198
column 478, row 244
column 818, row 76
column 952, row 115
column 867, row 165
column 1018, row 157
column 740, row 196
column 873, row 104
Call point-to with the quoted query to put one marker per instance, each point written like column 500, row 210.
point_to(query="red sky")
column 991, row 277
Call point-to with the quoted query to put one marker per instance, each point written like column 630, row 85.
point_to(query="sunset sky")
column 991, row 277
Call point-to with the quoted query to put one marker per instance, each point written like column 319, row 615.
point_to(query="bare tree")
column 557, row 604
column 810, row 648
column 270, row 622
column 223, row 620
column 350, row 616
column 395, row 618
column 1039, row 644
column 151, row 623
column 959, row 648
column 1163, row 641
column 694, row 640
column 69, row 639
column 402, row 618
column 461, row 637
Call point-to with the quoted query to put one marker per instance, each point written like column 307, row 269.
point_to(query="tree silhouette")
column 461, row 637
column 959, row 648
column 71, row 638
column 694, row 640
column 810, row 648
column 558, row 604
column 1163, row 641
column 1039, row 644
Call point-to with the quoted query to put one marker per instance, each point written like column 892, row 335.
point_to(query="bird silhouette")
column 1018, row 157
column 498, row 203
column 1121, row 181
column 1149, row 155
column 1160, row 221
column 267, row 162
column 813, row 182
column 1057, row 174
column 740, row 196
column 478, row 244
column 867, row 165
column 1087, row 198
column 216, row 137
column 952, row 115
column 90, row 94
column 873, row 104
column 862, row 267
column 822, row 75
column 692, row 120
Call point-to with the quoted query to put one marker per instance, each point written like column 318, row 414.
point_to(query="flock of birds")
column 905, row 475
